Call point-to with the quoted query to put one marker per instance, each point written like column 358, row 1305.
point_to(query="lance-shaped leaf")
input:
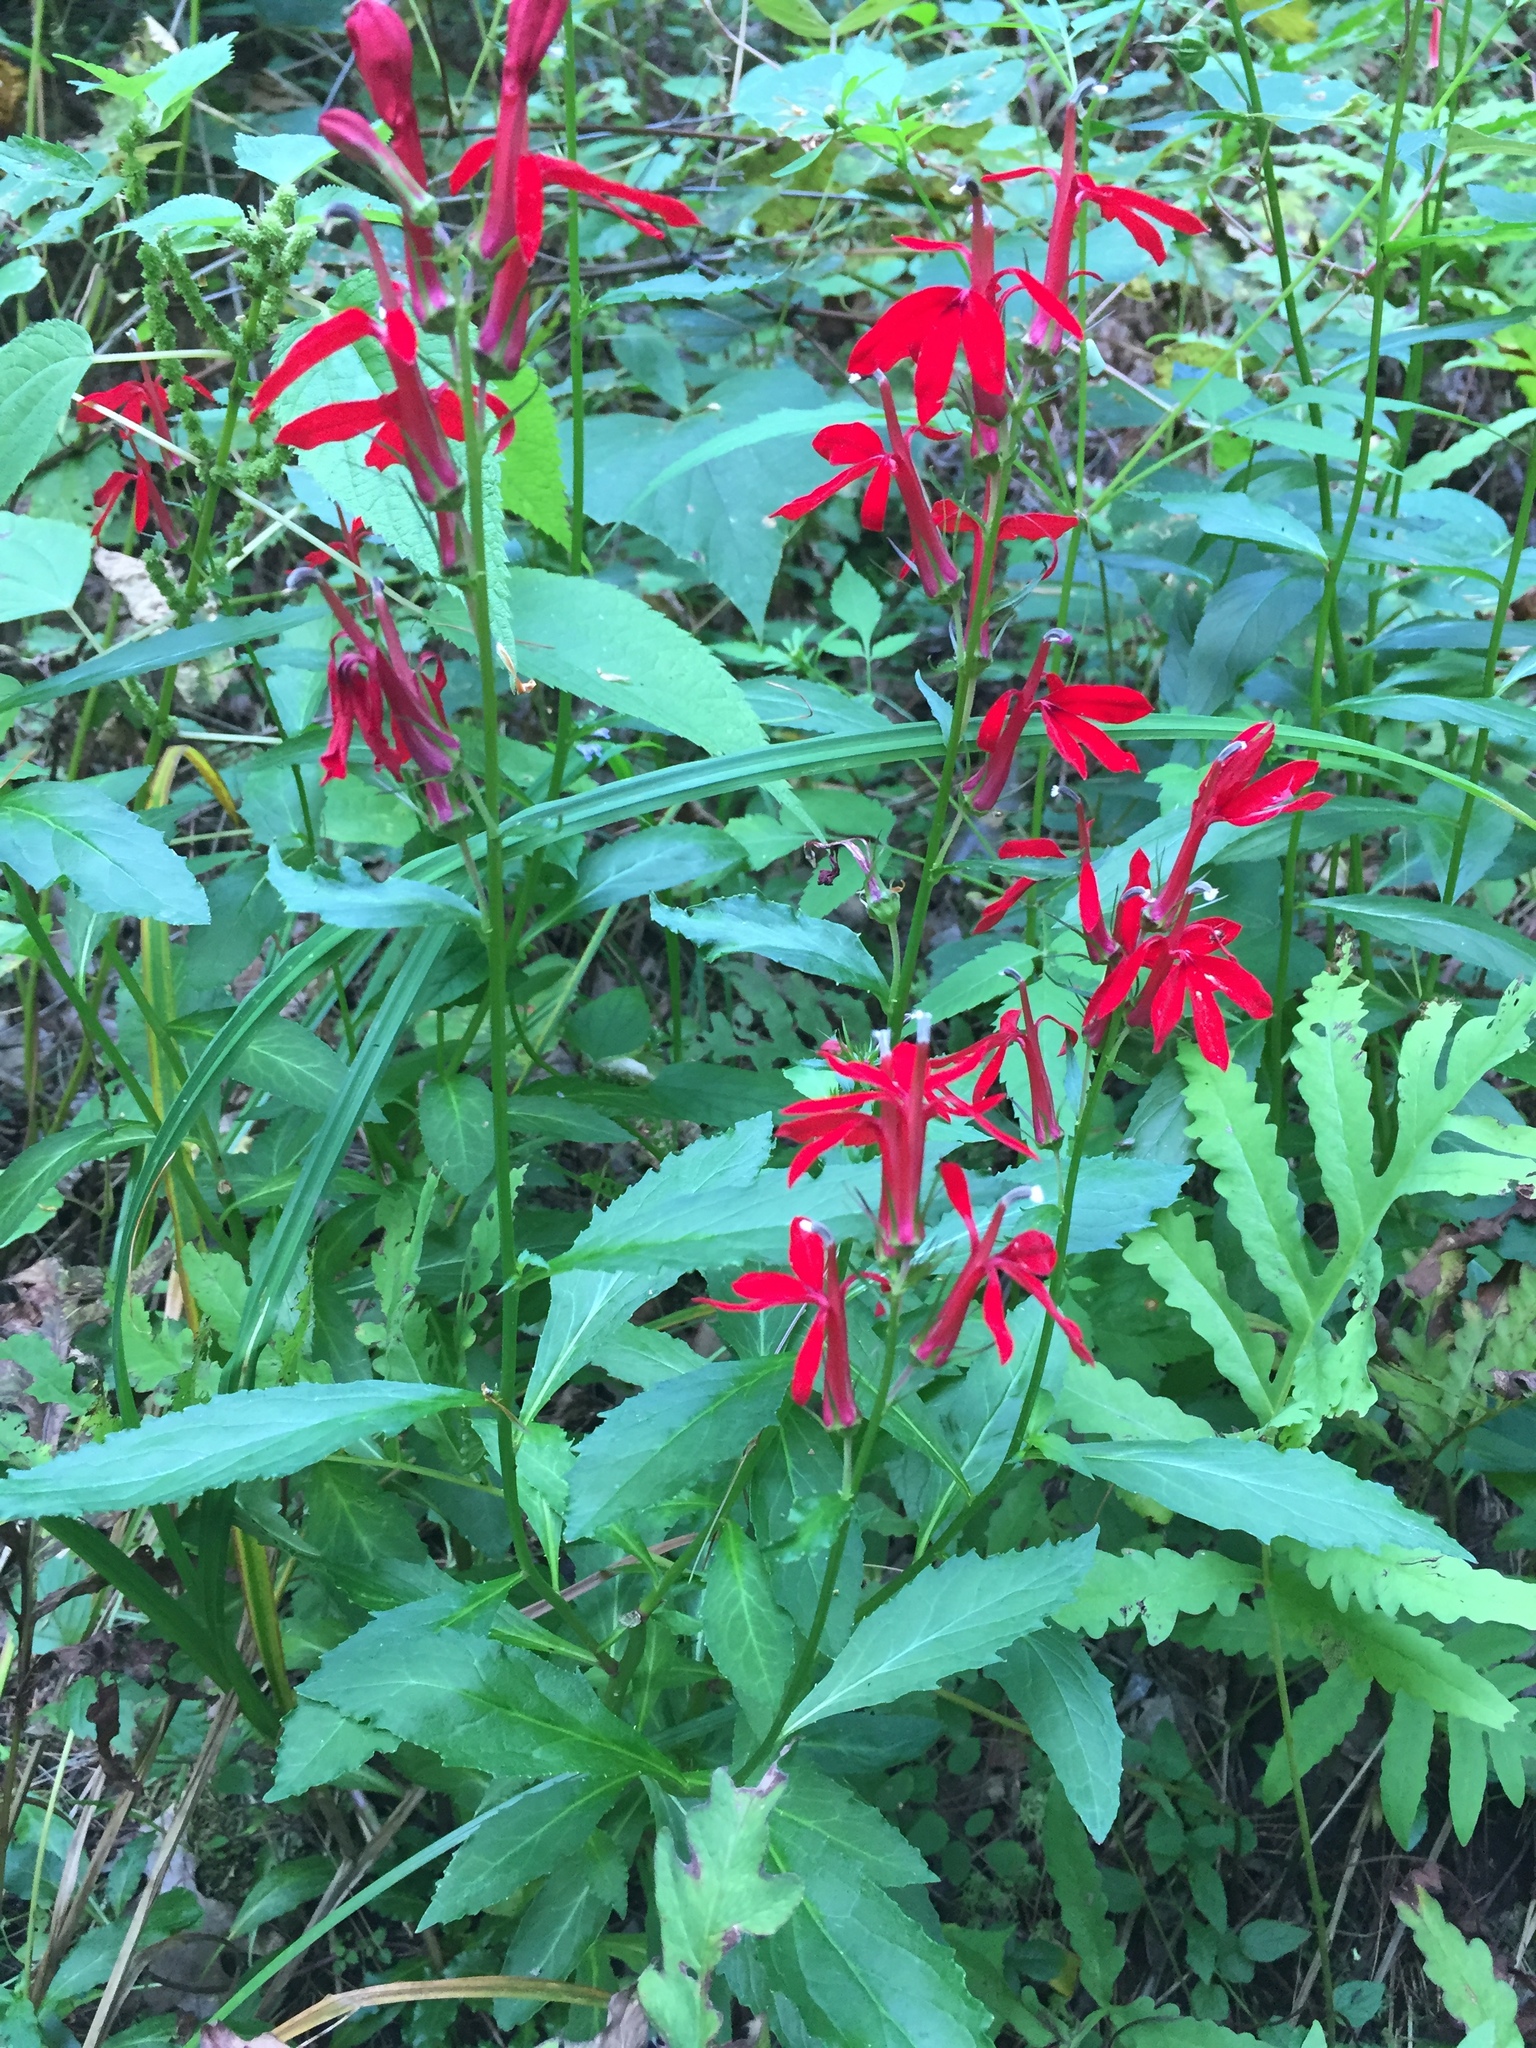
column 960, row 1615
column 265, row 1434
column 1067, row 1701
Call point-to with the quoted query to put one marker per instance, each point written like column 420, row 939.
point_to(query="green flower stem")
column 1490, row 670
column 678, row 1567
column 1081, row 1130
column 1276, row 217
column 967, row 673
column 478, row 594
column 799, row 1683
column 1303, row 1823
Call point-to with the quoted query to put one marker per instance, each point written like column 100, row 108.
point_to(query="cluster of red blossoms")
column 933, row 327
column 895, row 1097
column 371, row 677
column 373, row 682
column 144, row 401
column 1180, row 960
column 506, row 238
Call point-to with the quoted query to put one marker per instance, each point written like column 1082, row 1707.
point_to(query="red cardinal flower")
column 374, row 676
column 1138, row 212
column 1068, row 712
column 147, row 502
column 1042, row 1098
column 1130, row 910
column 1015, row 849
column 813, row 1283
column 1232, row 792
column 1189, row 966
column 381, row 44
column 863, row 453
column 934, row 325
column 134, row 400
column 896, row 1100
column 512, row 225
column 1028, row 1259
column 410, row 424
column 951, row 518
column 1436, row 23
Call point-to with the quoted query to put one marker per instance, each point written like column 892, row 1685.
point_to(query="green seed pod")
column 1190, row 49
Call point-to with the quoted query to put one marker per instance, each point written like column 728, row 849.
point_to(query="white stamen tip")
column 922, row 1026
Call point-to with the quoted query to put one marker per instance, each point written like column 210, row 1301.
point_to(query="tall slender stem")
column 1303, row 1823
column 578, row 313
column 1490, row 671
column 798, row 1683
column 495, row 892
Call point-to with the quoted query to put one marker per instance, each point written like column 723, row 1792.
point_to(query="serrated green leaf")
column 1231, row 1484
column 1098, row 1402
column 1464, row 1972
column 820, row 1820
column 962, row 1614
column 1398, row 1656
column 611, row 647
column 661, row 857
column 1467, row 1778
column 532, row 486
column 528, row 1837
column 1185, row 1266
column 1234, row 1135
column 479, row 1705
column 1464, row 934
column 658, row 1440
column 1319, row 1724
column 119, row 865
column 1069, row 1706
column 745, row 1630
column 455, row 1111
column 860, row 1970
column 1444, row 1587
column 1080, row 1896
column 1328, row 1054
column 752, row 924
column 40, row 372
column 354, row 903
column 1152, row 1589
column 43, row 563
column 1405, row 1763
column 234, row 1437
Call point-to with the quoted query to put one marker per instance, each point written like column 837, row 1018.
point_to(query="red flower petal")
column 328, row 339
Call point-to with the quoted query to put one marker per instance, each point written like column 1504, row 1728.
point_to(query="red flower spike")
column 1015, row 849
column 934, row 325
column 1436, row 22
column 812, row 1283
column 1232, row 792
column 1138, row 212
column 1042, row 1097
column 134, row 400
column 378, row 676
column 1070, row 714
column 862, row 452
column 896, row 1099
column 1190, row 966
column 381, row 45
column 408, row 422
column 512, row 225
column 1028, row 1259
column 1130, row 910
column 951, row 518
column 147, row 502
